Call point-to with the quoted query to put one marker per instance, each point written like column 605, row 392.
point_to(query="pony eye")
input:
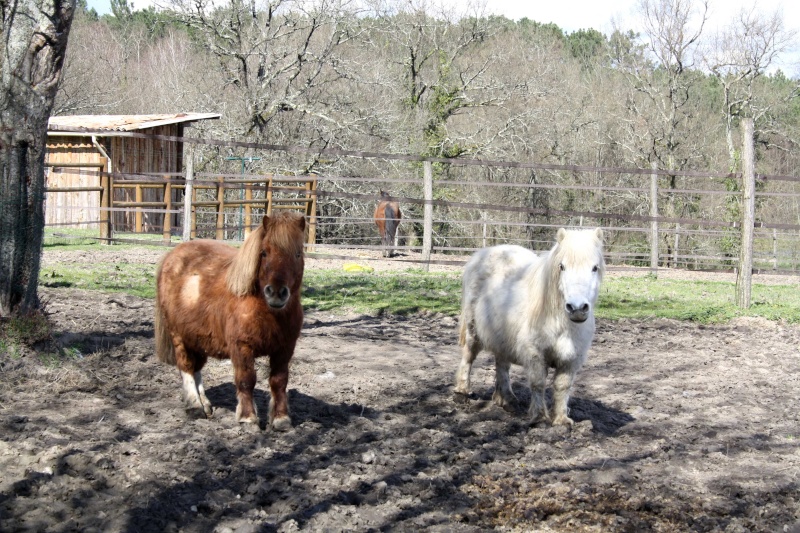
column 561, row 266
column 594, row 268
column 263, row 254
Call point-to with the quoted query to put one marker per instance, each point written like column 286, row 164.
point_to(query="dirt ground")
column 679, row 427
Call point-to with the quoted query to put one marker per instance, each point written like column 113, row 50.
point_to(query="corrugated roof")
column 122, row 122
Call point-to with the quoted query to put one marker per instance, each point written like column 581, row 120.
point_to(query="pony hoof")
column 461, row 397
column 252, row 419
column 195, row 413
column 283, row 423
column 563, row 421
column 505, row 403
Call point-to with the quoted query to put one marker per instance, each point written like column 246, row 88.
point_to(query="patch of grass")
column 704, row 302
column 88, row 239
column 136, row 279
column 413, row 290
column 396, row 293
column 28, row 329
column 20, row 334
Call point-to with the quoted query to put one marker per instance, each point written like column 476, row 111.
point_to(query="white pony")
column 534, row 311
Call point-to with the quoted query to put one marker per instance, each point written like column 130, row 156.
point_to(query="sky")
column 573, row 15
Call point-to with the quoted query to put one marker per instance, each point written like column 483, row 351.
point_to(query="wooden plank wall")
column 144, row 156
column 76, row 208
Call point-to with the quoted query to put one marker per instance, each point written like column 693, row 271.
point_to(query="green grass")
column 705, row 302
column 397, row 293
column 136, row 279
column 87, row 239
column 413, row 291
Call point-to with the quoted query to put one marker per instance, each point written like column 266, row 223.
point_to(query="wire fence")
column 651, row 218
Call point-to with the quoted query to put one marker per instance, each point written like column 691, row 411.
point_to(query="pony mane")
column 241, row 276
column 283, row 231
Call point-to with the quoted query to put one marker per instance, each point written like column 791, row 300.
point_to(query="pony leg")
column 503, row 395
column 537, row 379
column 244, row 377
column 562, row 383
column 194, row 395
column 279, row 403
column 387, row 243
column 469, row 352
column 201, row 392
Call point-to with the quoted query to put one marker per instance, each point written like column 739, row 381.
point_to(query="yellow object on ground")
column 355, row 267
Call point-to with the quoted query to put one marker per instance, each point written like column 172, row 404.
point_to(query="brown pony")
column 214, row 300
column 387, row 218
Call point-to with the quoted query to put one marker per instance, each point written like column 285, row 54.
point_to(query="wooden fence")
column 224, row 207
column 207, row 196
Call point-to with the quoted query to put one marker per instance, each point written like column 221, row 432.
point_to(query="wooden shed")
column 74, row 160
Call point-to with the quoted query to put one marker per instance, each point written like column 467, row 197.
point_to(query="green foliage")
column 587, row 46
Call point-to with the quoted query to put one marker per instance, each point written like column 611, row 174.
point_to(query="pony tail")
column 165, row 350
column 391, row 223
column 462, row 330
column 244, row 268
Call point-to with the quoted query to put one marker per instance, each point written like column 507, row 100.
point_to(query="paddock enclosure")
column 709, row 219
column 679, row 427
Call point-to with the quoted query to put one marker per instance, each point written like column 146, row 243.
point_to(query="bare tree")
column 274, row 54
column 93, row 70
column 740, row 54
column 665, row 75
column 32, row 52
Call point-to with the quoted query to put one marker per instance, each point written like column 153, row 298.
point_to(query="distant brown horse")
column 214, row 300
column 387, row 218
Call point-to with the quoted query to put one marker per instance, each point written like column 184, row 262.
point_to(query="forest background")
column 405, row 77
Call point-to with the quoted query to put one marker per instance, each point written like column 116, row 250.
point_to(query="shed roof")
column 72, row 123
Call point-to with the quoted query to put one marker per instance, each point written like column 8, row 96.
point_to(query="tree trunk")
column 35, row 36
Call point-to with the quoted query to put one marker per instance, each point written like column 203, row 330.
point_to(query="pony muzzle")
column 277, row 296
column 578, row 312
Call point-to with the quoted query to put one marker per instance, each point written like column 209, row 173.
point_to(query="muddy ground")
column 679, row 427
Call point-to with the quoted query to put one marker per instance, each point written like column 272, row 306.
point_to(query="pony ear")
column 598, row 233
column 301, row 223
column 264, row 221
column 561, row 234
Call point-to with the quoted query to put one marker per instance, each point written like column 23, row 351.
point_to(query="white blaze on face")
column 580, row 278
column 190, row 293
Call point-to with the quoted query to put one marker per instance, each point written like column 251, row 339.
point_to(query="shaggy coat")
column 213, row 300
column 534, row 311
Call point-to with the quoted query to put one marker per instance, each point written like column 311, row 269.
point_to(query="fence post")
column 187, row 194
column 744, row 279
column 675, row 248
column 774, row 249
column 654, row 222
column 427, row 223
column 105, row 204
column 312, row 215
column 137, row 219
column 167, row 224
column 220, row 235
